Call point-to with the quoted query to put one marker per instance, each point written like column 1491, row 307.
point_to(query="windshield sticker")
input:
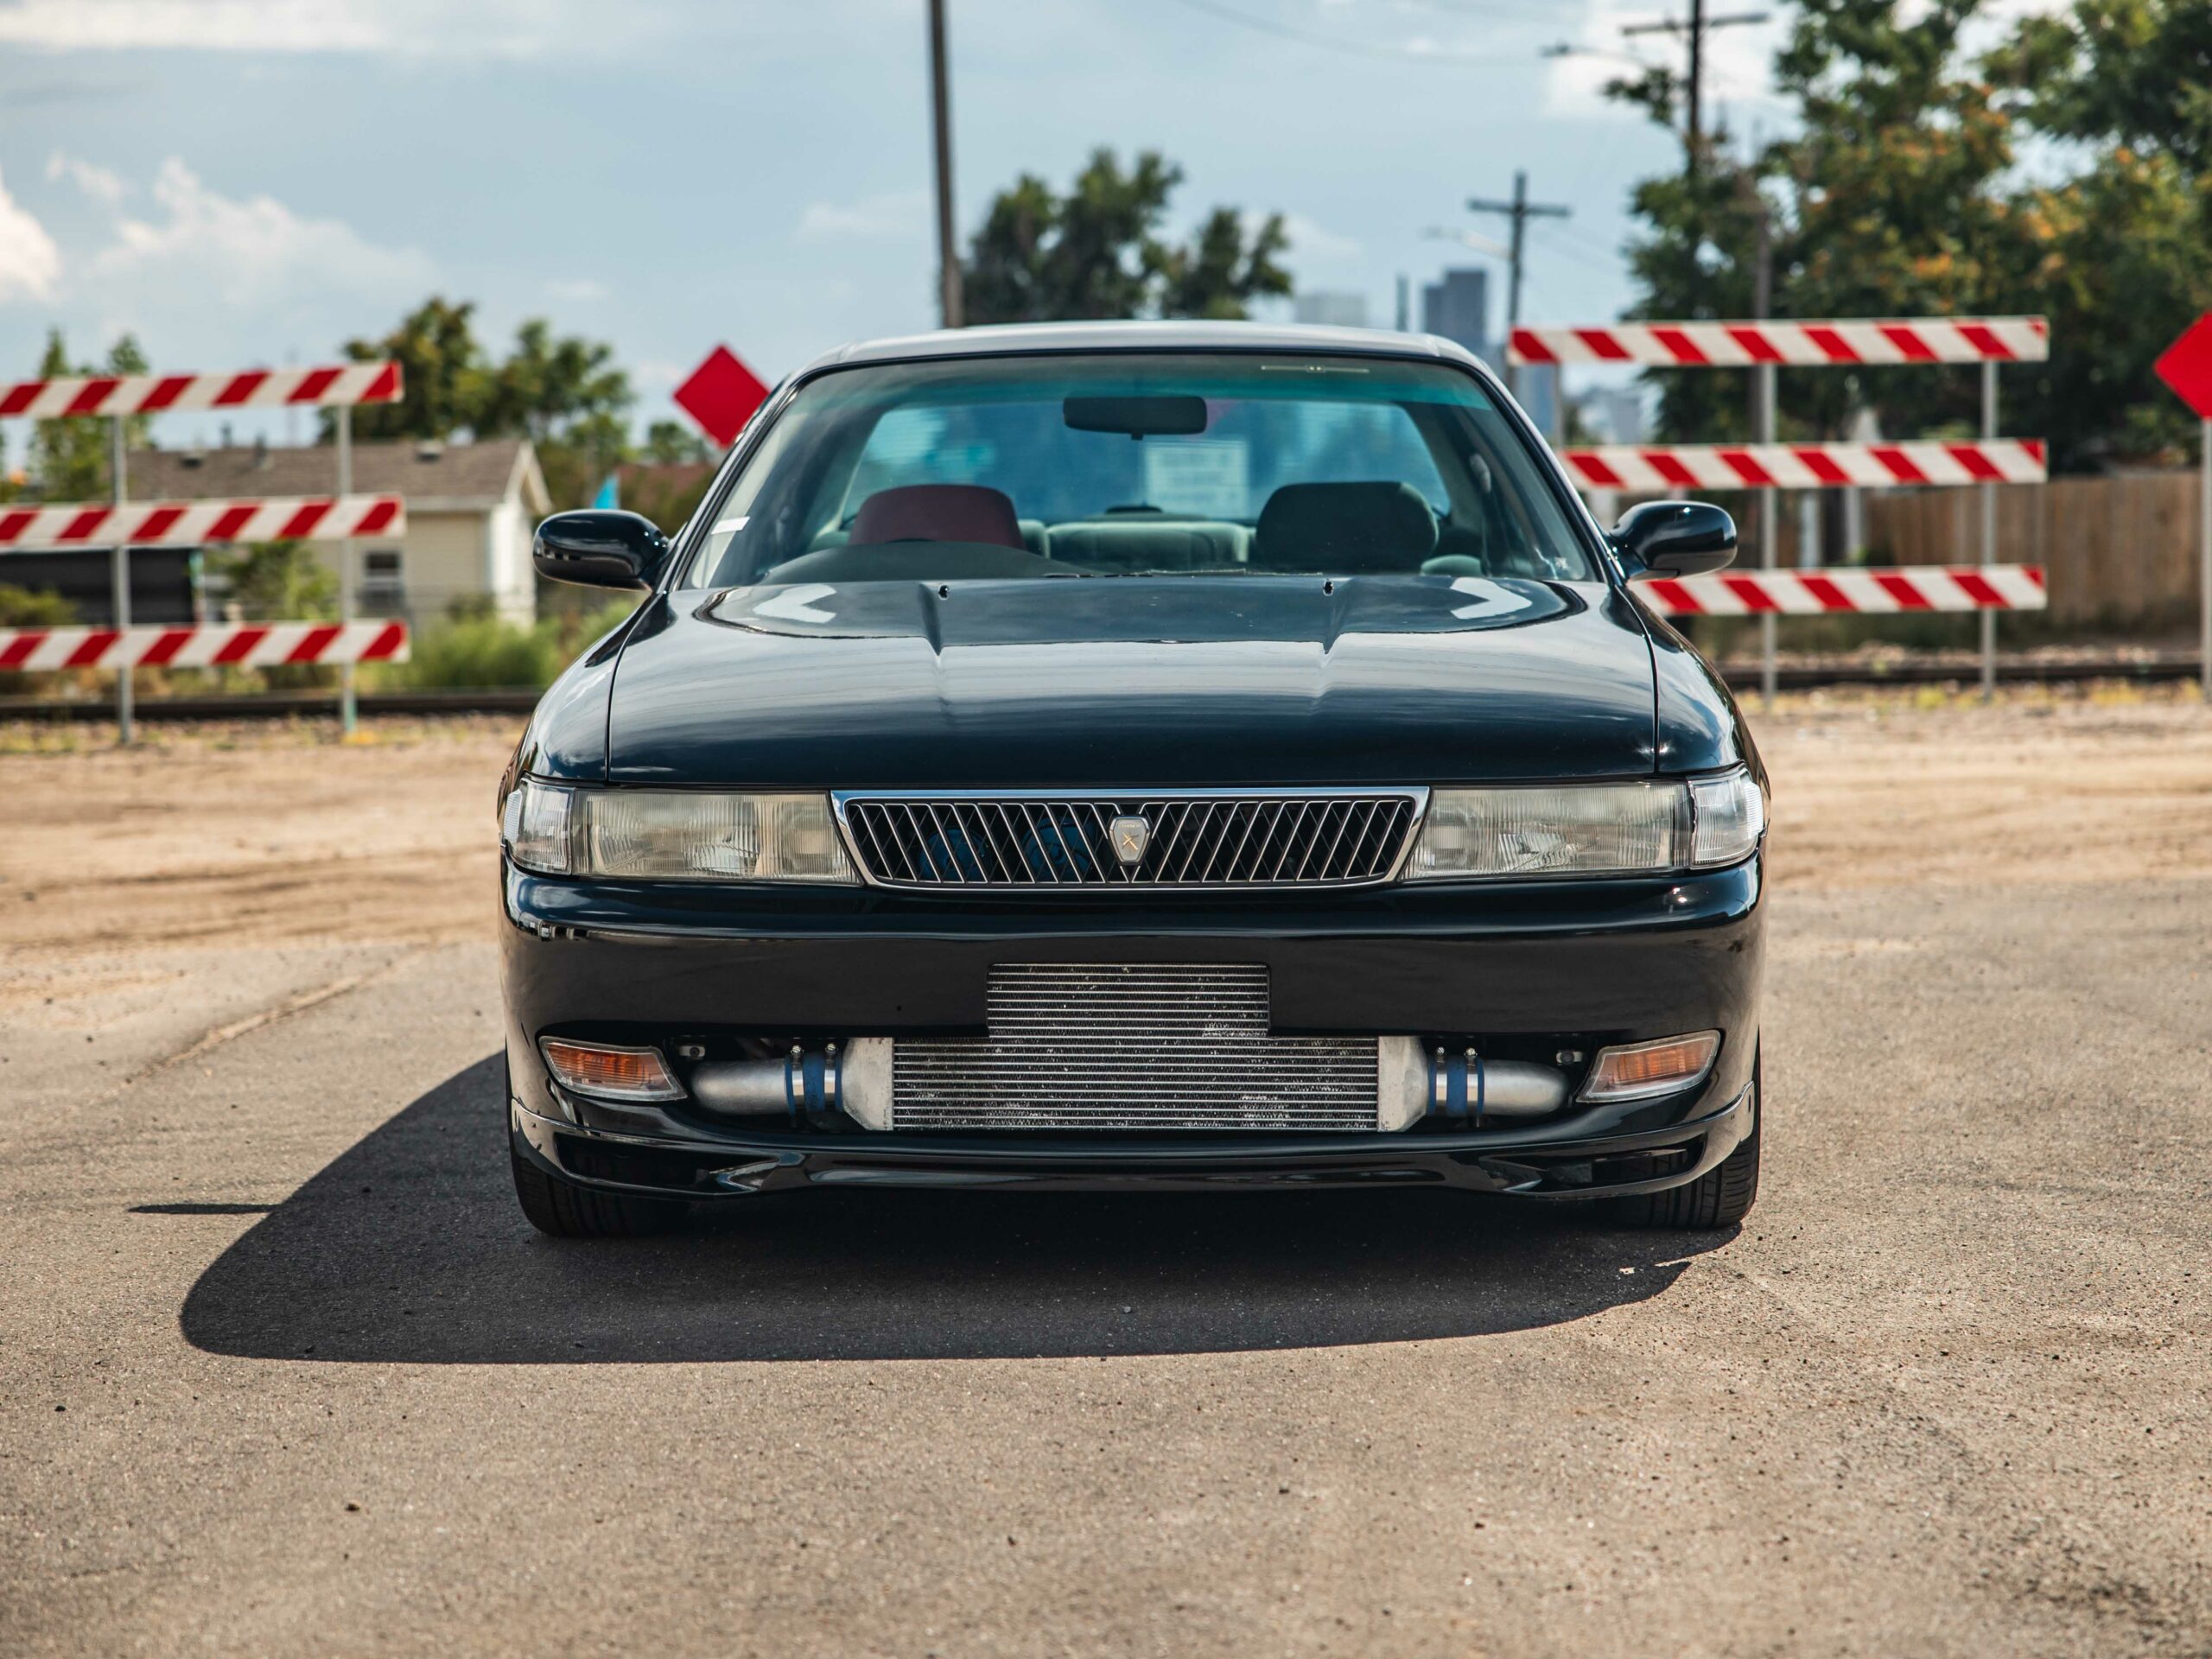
column 731, row 526
column 1205, row 478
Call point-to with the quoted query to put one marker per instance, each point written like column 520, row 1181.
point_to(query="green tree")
column 564, row 394
column 672, row 443
column 443, row 374
column 2131, row 73
column 2124, row 244
column 276, row 580
column 34, row 608
column 69, row 459
column 568, row 398
column 1098, row 252
column 1897, row 192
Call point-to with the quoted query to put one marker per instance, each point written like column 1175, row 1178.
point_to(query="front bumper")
column 1518, row 969
column 1576, row 1158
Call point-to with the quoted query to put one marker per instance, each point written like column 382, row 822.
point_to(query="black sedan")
column 1169, row 755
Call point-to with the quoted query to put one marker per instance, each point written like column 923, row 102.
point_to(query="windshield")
column 1139, row 465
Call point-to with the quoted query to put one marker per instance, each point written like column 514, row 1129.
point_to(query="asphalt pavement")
column 284, row 1371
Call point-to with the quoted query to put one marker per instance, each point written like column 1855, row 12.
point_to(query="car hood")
column 1163, row 681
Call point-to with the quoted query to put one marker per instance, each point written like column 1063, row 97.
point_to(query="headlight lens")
column 1730, row 813
column 1625, row 828
column 1573, row 829
column 668, row 835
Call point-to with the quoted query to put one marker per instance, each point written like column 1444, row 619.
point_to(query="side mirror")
column 598, row 548
column 1675, row 538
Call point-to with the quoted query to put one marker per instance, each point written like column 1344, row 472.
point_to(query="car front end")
column 1265, row 875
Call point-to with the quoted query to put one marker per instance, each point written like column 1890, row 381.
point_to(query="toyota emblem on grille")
column 1130, row 836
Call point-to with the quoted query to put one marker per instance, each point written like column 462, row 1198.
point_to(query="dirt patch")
column 1873, row 791
column 245, row 836
column 258, row 834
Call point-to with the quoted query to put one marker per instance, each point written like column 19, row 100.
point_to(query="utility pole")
column 1762, row 432
column 1694, row 27
column 948, row 255
column 1520, row 211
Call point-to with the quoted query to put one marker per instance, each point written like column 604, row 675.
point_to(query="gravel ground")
column 282, row 1370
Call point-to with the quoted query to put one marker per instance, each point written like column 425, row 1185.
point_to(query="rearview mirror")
column 1675, row 538
column 599, row 548
column 1170, row 416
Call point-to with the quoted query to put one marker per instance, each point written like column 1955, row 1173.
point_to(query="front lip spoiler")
column 1538, row 1163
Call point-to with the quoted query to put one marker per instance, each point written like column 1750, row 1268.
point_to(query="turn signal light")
column 610, row 1074
column 1634, row 1070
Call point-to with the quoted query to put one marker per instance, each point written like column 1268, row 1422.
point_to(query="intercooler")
column 1146, row 1046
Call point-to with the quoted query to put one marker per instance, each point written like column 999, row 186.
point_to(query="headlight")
column 1642, row 828
column 1730, row 812
column 669, row 834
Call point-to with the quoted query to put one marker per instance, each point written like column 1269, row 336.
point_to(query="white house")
column 471, row 508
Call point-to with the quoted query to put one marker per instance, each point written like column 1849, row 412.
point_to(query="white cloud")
column 95, row 180
column 245, row 251
column 899, row 214
column 510, row 29
column 1311, row 241
column 576, row 288
column 214, row 25
column 30, row 265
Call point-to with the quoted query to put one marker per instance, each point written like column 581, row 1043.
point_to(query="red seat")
column 938, row 513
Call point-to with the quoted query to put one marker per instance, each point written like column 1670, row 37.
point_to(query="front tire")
column 1720, row 1197
column 561, row 1208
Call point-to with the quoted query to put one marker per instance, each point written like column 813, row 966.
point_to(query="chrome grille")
column 1239, row 838
column 1114, row 1046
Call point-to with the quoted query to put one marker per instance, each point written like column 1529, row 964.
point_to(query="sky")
column 250, row 182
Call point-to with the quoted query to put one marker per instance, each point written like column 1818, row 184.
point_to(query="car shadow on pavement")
column 410, row 1248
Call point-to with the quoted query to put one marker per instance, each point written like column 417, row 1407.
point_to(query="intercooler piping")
column 805, row 1084
column 818, row 1086
column 1465, row 1088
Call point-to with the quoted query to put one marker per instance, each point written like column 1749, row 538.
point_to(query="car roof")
column 1005, row 340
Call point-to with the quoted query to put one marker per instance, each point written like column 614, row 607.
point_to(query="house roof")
column 461, row 474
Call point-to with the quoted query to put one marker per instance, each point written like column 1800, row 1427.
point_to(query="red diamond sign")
column 720, row 395
column 2187, row 367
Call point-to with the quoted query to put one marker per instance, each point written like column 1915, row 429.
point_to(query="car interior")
column 852, row 508
column 974, row 531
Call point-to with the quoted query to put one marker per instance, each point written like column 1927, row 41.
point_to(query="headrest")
column 938, row 513
column 1347, row 528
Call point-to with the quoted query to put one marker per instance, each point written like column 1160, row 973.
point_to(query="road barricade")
column 1762, row 346
column 121, row 523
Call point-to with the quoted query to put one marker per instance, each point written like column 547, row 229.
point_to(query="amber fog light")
column 610, row 1074
column 1633, row 1071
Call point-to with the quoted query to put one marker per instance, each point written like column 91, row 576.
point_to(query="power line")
column 1340, row 43
column 1695, row 28
column 1489, row 9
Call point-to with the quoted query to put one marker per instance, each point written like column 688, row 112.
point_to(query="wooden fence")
column 2121, row 549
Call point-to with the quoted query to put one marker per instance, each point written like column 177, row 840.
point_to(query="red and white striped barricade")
column 1765, row 345
column 160, row 394
column 1892, row 590
column 196, row 524
column 221, row 644
column 1788, row 345
column 1655, row 468
column 119, row 396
